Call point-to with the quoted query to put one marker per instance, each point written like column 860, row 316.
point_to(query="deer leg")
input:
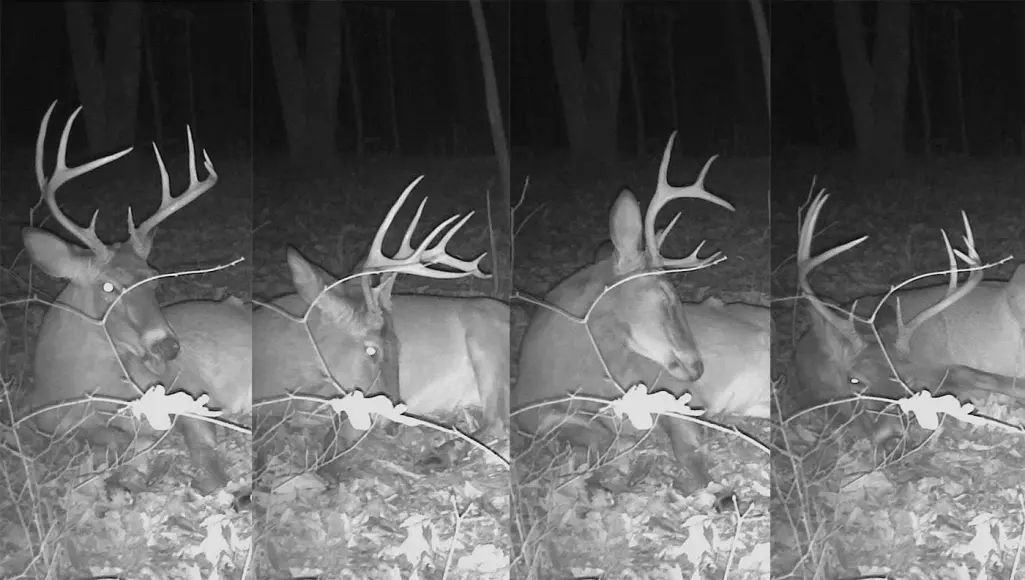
column 339, row 438
column 201, row 439
column 490, row 362
column 683, row 436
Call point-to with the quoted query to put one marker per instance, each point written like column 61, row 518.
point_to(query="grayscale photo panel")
column 381, row 289
column 483, row 289
column 125, row 272
column 640, row 397
column 898, row 288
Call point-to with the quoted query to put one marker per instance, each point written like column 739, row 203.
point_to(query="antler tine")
column 62, row 174
column 418, row 260
column 439, row 254
column 664, row 193
column 972, row 259
column 805, row 264
column 143, row 235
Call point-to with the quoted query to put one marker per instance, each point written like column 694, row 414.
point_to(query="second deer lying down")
column 719, row 353
column 957, row 339
column 435, row 354
column 197, row 347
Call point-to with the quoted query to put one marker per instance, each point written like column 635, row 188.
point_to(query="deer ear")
column 306, row 277
column 627, row 231
column 383, row 290
column 55, row 256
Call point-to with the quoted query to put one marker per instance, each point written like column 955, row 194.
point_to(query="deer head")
column 841, row 356
column 103, row 278
column 646, row 310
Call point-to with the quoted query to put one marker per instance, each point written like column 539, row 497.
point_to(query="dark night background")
column 809, row 101
column 717, row 62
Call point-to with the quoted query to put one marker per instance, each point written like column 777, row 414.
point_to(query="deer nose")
column 687, row 370
column 167, row 348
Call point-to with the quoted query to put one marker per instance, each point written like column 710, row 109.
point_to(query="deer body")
column 644, row 334
column 73, row 357
column 734, row 340
column 956, row 337
column 216, row 352
column 435, row 354
column 453, row 354
column 557, row 359
column 983, row 330
column 216, row 360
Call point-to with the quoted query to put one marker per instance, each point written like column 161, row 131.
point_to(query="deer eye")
column 372, row 350
column 853, row 380
column 109, row 287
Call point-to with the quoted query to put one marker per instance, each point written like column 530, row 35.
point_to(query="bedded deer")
column 719, row 353
column 198, row 347
column 435, row 354
column 958, row 338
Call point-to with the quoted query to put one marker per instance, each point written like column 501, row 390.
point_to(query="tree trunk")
column 668, row 19
column 764, row 47
column 877, row 91
column 350, row 65
column 151, row 76
column 589, row 86
column 1019, row 9
column 108, row 87
column 500, row 217
column 308, row 87
column 389, row 33
column 635, row 89
column 955, row 16
column 462, row 115
column 921, row 74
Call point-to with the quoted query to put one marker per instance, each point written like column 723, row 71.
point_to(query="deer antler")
column 418, row 261
column 142, row 237
column 664, row 193
column 904, row 332
column 805, row 264
column 62, row 174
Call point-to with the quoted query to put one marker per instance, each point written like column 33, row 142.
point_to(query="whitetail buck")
column 719, row 353
column 435, row 354
column 955, row 338
column 181, row 348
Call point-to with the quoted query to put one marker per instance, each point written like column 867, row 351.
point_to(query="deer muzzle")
column 167, row 348
column 686, row 369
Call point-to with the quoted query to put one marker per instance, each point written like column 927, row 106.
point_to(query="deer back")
column 982, row 330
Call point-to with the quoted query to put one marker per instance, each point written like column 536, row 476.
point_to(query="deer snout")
column 686, row 370
column 167, row 348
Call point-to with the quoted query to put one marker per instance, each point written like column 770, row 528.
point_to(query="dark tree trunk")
column 108, row 87
column 589, row 84
column 876, row 90
column 308, row 85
